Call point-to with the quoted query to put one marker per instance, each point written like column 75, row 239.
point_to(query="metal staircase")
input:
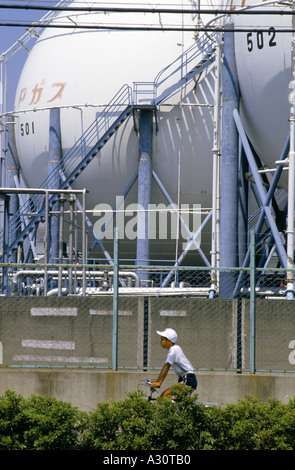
column 100, row 131
column 71, row 165
column 189, row 64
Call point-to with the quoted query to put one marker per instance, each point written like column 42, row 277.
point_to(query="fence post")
column 252, row 301
column 115, row 299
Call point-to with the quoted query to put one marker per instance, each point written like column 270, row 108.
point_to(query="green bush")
column 40, row 423
column 253, row 425
column 137, row 424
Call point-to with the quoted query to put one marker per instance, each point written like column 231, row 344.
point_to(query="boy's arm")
column 158, row 382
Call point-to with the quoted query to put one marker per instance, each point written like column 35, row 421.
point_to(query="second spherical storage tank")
column 80, row 70
column 263, row 56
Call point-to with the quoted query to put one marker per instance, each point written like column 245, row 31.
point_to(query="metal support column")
column 53, row 160
column 144, row 188
column 12, row 172
column 252, row 303
column 229, row 168
column 115, row 299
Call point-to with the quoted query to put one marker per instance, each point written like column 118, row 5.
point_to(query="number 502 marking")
column 260, row 39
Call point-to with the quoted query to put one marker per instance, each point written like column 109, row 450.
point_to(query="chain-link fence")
column 81, row 323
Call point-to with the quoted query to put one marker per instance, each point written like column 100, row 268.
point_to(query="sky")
column 8, row 36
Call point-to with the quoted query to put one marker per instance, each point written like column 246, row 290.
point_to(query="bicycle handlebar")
column 149, row 383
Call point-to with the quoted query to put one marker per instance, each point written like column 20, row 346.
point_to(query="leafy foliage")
column 38, row 423
column 43, row 423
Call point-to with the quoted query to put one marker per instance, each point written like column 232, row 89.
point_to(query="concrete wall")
column 78, row 332
column 85, row 388
column 212, row 333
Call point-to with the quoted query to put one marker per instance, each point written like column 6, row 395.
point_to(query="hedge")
column 42, row 423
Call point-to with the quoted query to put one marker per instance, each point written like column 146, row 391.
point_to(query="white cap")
column 168, row 333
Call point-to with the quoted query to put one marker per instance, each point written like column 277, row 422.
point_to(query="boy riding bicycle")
column 178, row 360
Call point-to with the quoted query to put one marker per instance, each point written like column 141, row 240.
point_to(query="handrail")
column 176, row 71
column 91, row 136
column 97, row 129
column 183, row 63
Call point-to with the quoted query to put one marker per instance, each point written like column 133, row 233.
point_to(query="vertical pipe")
column 145, row 331
column 252, row 303
column 6, row 227
column 115, row 299
column 291, row 176
column 60, row 247
column 3, row 124
column 76, row 231
column 53, row 160
column 215, row 175
column 84, row 244
column 6, row 244
column 229, row 168
column 3, row 109
column 46, row 242
column 71, row 229
column 144, row 188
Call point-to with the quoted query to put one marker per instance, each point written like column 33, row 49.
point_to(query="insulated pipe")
column 229, row 168
column 77, row 273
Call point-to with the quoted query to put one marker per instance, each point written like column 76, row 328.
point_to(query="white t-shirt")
column 179, row 361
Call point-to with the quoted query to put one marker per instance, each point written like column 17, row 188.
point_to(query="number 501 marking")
column 260, row 39
column 27, row 128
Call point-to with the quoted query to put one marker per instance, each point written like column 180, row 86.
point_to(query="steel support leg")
column 144, row 188
column 229, row 169
column 53, row 160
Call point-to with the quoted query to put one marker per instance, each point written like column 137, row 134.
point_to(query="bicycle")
column 153, row 390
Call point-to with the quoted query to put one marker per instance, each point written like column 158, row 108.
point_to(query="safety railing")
column 192, row 61
column 188, row 64
column 74, row 161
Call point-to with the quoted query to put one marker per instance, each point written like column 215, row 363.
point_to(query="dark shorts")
column 190, row 380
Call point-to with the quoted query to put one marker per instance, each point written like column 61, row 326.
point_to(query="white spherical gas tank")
column 264, row 70
column 80, row 71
